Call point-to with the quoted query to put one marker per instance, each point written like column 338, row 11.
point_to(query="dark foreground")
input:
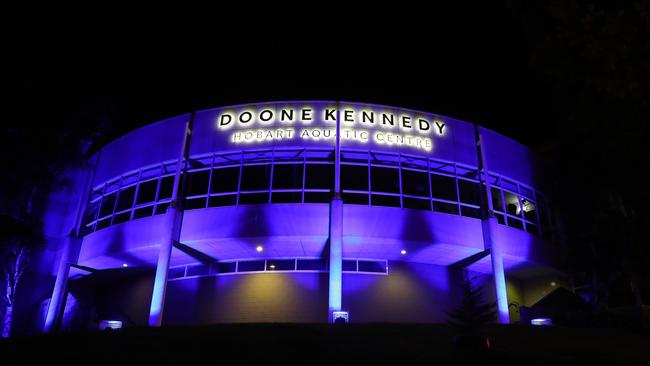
column 263, row 344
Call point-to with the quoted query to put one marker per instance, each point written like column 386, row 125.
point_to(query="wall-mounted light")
column 403, row 251
column 124, row 265
column 259, row 248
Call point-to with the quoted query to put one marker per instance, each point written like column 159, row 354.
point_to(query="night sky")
column 127, row 67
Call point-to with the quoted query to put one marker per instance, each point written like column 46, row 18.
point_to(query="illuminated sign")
column 358, row 123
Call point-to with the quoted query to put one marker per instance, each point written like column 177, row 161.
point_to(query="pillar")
column 57, row 301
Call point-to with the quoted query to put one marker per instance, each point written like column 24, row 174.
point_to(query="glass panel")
column 250, row 266
column 318, row 197
column 286, row 197
column 143, row 212
column 500, row 219
column 125, row 199
column 108, row 203
column 287, row 176
column 228, row 200
column 532, row 229
column 530, row 210
column 518, row 224
column 497, row 202
column 319, row 176
column 420, row 204
column 470, row 192
column 512, row 203
column 443, row 207
column 372, row 266
column 198, row 269
column 147, row 192
column 225, row 180
column 253, row 198
column 312, row 265
column 349, row 265
column 103, row 223
column 166, row 186
column 280, row 265
column 161, row 208
column 443, row 187
column 176, row 272
column 382, row 200
column 123, row 217
column 470, row 212
column 415, row 183
column 355, row 198
column 197, row 183
column 255, row 177
column 194, row 203
column 91, row 212
column 354, row 177
column 224, row 267
column 384, row 179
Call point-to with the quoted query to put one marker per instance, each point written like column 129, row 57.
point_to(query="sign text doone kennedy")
column 358, row 123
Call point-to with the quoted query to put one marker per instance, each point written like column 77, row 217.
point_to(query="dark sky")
column 131, row 66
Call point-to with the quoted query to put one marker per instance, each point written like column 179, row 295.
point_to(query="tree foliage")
column 473, row 312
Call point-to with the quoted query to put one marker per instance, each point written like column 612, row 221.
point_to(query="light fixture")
column 124, row 265
column 403, row 251
column 553, row 283
column 259, row 248
column 272, row 266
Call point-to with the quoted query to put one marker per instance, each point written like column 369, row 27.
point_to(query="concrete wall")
column 266, row 297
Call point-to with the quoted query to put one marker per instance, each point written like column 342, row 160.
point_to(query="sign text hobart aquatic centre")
column 258, row 124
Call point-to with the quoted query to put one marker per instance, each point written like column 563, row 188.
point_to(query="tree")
column 18, row 240
column 473, row 312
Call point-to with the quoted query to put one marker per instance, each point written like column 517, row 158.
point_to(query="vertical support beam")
column 57, row 301
column 69, row 254
column 488, row 224
column 336, row 230
column 173, row 224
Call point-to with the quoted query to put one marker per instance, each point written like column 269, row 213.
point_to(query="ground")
column 243, row 344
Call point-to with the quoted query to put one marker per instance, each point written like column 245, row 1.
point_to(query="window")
column 355, row 198
column 470, row 192
column 311, row 265
column 227, row 200
column 198, row 269
column 385, row 200
column 147, row 192
column 354, row 177
column 497, row 202
column 166, row 187
column 512, row 203
column 250, row 266
column 417, row 203
column 225, row 180
column 349, row 265
column 143, row 212
column 125, row 199
column 286, row 197
column 253, row 198
column 224, row 267
column 197, row 183
column 415, row 183
column 373, row 266
column 319, row 176
column 194, row 203
column 287, row 176
column 108, row 203
column 443, row 187
column 281, row 265
column 384, row 179
column 444, row 207
column 255, row 177
column 318, row 197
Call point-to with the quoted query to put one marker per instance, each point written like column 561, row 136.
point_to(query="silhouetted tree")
column 473, row 312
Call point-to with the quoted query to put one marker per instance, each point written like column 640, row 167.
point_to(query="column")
column 173, row 223
column 57, row 301
column 336, row 230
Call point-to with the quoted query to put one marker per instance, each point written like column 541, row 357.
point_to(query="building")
column 292, row 211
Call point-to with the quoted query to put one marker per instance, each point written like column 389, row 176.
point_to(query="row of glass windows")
column 407, row 183
column 276, row 265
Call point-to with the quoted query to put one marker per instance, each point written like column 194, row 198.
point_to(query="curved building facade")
column 302, row 211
